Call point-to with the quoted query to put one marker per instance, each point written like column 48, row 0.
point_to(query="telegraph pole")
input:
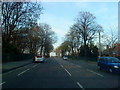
column 119, row 22
column 99, row 45
column 118, row 27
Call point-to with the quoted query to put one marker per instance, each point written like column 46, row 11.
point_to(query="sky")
column 61, row 15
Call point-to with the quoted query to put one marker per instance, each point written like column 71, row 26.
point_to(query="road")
column 59, row 73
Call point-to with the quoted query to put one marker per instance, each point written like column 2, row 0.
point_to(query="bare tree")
column 110, row 39
column 74, row 40
column 18, row 15
column 49, row 39
column 87, row 27
column 64, row 48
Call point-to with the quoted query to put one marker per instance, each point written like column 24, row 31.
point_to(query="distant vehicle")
column 65, row 57
column 110, row 64
column 39, row 58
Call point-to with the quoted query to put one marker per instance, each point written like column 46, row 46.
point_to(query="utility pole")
column 118, row 27
column 99, row 44
column 119, row 22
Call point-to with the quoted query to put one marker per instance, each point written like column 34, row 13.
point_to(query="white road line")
column 2, row 83
column 75, row 65
column 67, row 72
column 61, row 66
column 15, row 69
column 95, row 72
column 78, row 66
column 23, row 72
column 34, row 65
column 80, row 86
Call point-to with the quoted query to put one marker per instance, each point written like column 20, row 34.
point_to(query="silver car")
column 39, row 59
column 65, row 57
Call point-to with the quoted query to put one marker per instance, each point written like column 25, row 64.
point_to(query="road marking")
column 34, row 65
column 78, row 66
column 61, row 66
column 67, row 72
column 2, row 83
column 75, row 65
column 23, row 72
column 95, row 72
column 80, row 86
column 15, row 69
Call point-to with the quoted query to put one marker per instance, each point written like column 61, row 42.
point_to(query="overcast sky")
column 61, row 15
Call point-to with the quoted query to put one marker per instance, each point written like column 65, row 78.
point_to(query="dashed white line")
column 95, row 72
column 15, row 69
column 2, row 83
column 23, row 72
column 61, row 66
column 80, row 86
column 34, row 65
column 78, row 66
column 67, row 72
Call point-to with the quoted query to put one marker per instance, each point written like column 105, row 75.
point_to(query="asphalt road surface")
column 59, row 73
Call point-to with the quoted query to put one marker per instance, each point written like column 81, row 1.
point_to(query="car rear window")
column 39, row 56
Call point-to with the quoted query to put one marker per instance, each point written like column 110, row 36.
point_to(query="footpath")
column 8, row 66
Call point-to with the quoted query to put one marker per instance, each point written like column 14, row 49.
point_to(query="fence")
column 8, row 57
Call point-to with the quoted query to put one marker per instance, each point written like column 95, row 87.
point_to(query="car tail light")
column 35, row 56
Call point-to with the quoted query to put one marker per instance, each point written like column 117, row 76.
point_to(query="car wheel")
column 110, row 70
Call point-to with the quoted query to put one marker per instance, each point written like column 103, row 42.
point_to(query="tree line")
column 79, row 41
column 21, row 31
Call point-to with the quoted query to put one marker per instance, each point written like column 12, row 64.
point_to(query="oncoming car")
column 39, row 58
column 65, row 57
column 110, row 64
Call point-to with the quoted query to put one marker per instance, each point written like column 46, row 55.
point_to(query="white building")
column 53, row 54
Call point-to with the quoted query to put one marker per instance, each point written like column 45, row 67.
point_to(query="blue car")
column 110, row 64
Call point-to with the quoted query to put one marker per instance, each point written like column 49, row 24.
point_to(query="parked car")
column 65, row 57
column 39, row 58
column 110, row 64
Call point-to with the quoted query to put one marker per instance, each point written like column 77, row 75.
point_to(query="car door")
column 106, row 66
column 104, row 63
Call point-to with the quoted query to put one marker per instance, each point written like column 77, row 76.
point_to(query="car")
column 110, row 64
column 65, row 57
column 39, row 58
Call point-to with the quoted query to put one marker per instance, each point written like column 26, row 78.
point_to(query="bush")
column 10, row 48
column 91, row 51
column 82, row 51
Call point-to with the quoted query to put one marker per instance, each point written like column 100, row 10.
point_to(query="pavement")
column 8, row 66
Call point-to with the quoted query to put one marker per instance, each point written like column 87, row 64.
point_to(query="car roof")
column 107, row 57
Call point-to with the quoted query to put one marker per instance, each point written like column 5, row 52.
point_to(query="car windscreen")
column 39, row 56
column 113, row 60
